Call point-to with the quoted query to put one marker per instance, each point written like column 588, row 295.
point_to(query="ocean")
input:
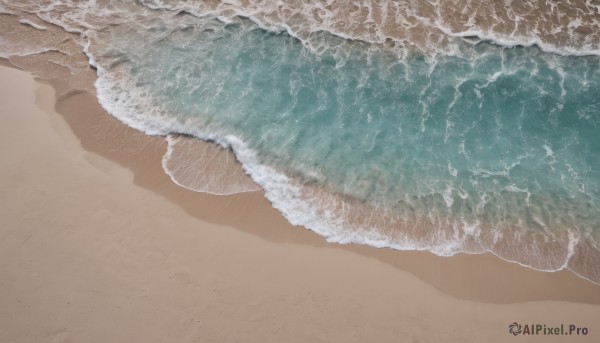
column 445, row 126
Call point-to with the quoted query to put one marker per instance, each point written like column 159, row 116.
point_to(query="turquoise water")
column 488, row 149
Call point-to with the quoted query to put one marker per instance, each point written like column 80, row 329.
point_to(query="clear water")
column 488, row 149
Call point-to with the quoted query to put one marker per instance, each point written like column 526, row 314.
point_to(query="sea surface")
column 446, row 126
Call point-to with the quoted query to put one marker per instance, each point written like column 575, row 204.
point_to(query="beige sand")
column 97, row 251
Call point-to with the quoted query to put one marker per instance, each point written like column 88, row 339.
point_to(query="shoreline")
column 158, row 249
column 144, row 159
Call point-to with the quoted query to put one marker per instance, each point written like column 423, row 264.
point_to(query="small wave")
column 425, row 27
column 204, row 167
column 319, row 211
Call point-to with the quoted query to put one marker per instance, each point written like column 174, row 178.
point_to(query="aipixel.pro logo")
column 516, row 329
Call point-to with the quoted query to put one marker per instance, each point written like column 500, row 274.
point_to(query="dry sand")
column 98, row 245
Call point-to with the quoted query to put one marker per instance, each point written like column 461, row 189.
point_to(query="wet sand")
column 99, row 245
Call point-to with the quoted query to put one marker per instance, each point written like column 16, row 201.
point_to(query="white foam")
column 7, row 51
column 448, row 198
column 452, row 170
column 573, row 241
column 32, row 24
column 549, row 152
column 526, row 41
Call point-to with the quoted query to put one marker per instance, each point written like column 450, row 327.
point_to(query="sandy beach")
column 98, row 245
